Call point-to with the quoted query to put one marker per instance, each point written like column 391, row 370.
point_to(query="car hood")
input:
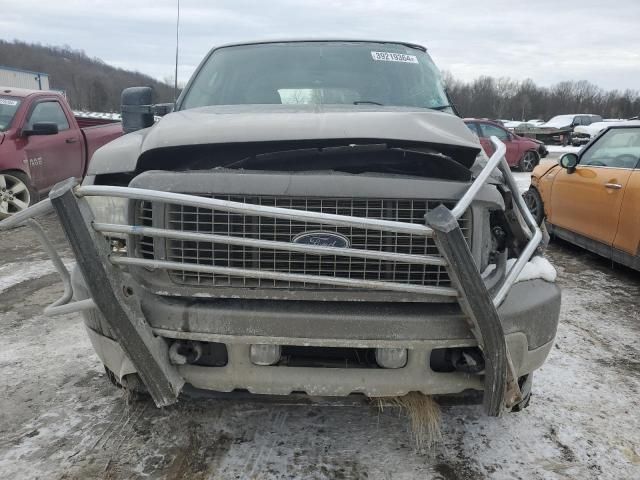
column 277, row 123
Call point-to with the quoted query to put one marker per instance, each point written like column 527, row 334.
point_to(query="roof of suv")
column 312, row 40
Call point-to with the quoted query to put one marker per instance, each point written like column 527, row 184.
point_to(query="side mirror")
column 569, row 161
column 42, row 128
column 162, row 109
column 136, row 108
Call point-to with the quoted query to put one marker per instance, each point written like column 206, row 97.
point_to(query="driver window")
column 48, row 112
column 491, row 130
column 617, row 148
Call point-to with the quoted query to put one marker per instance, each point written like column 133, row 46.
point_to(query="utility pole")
column 175, row 83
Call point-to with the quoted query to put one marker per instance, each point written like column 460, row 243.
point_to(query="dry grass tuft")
column 424, row 414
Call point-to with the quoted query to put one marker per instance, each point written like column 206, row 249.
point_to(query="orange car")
column 592, row 198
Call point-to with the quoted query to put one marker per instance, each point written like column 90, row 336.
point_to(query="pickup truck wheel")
column 528, row 161
column 16, row 193
column 525, row 383
column 534, row 202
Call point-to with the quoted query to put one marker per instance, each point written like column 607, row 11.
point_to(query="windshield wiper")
column 440, row 107
column 367, row 102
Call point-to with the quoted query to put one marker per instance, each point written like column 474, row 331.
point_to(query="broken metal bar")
column 287, row 277
column 19, row 218
column 249, row 208
column 57, row 263
column 108, row 288
column 476, row 303
column 80, row 305
column 481, row 179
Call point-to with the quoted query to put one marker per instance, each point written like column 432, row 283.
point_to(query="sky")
column 546, row 40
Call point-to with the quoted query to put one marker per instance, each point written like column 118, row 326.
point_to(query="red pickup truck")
column 41, row 144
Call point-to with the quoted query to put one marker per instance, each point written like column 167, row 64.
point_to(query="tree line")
column 89, row 83
column 506, row 98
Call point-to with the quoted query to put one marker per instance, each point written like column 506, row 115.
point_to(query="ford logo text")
column 322, row 239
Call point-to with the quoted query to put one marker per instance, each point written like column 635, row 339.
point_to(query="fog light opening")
column 391, row 357
column 263, row 354
column 185, row 352
column 466, row 360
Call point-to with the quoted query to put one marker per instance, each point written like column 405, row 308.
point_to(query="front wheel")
column 16, row 193
column 528, row 161
column 533, row 200
column 524, row 383
column 132, row 384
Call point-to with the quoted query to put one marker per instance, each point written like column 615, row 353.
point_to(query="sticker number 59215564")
column 394, row 57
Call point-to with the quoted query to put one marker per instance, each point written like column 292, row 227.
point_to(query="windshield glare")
column 617, row 148
column 351, row 73
column 8, row 108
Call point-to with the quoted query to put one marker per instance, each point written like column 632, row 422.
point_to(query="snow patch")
column 523, row 180
column 537, row 268
column 17, row 272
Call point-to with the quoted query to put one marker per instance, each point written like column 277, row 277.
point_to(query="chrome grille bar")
column 287, row 277
column 249, row 242
column 247, row 208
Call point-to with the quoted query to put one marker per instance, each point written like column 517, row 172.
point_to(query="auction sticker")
column 394, row 57
column 6, row 101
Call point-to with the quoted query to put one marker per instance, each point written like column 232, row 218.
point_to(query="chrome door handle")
column 613, row 186
column 71, row 140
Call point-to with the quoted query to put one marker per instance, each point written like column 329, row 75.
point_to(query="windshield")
column 352, row 73
column 617, row 148
column 8, row 108
column 560, row 121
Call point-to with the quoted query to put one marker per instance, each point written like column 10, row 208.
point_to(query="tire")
column 132, row 384
column 528, row 161
column 525, row 383
column 16, row 193
column 534, row 202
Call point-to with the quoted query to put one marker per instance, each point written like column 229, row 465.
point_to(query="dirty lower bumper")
column 529, row 316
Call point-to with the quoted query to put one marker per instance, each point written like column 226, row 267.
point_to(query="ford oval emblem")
column 322, row 239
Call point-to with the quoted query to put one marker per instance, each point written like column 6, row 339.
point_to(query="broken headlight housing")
column 109, row 209
column 112, row 210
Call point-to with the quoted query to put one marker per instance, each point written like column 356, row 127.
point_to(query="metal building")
column 13, row 77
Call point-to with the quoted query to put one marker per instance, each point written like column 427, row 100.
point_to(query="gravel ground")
column 61, row 419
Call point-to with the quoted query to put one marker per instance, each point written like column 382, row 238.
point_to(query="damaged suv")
column 312, row 217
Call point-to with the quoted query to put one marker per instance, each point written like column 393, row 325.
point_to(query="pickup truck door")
column 628, row 234
column 53, row 158
column 589, row 200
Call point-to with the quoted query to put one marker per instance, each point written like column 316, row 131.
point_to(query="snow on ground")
column 60, row 418
column 13, row 273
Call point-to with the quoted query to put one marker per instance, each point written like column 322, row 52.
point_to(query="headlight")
column 109, row 209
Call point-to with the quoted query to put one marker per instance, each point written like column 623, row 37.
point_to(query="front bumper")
column 529, row 316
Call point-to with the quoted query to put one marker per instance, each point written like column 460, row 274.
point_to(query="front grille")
column 205, row 220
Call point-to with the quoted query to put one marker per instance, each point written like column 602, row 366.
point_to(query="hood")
column 244, row 124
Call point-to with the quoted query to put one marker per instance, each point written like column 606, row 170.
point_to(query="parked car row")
column 583, row 134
